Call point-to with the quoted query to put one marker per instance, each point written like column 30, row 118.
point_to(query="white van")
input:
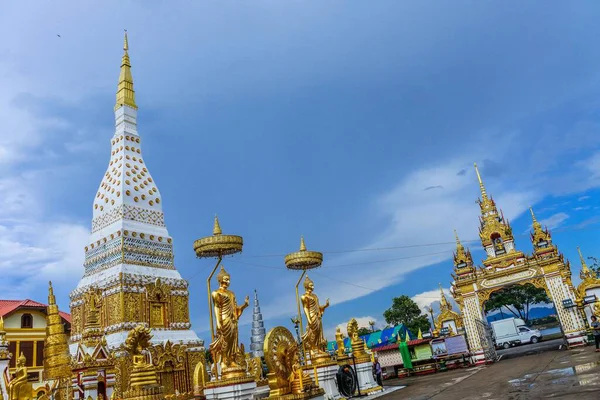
column 513, row 331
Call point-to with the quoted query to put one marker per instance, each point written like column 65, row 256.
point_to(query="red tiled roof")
column 8, row 306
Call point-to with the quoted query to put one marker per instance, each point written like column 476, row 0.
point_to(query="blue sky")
column 354, row 125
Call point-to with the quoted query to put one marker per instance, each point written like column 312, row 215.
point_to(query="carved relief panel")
column 158, row 298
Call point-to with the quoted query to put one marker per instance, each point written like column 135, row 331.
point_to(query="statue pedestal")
column 326, row 378
column 366, row 382
column 3, row 366
column 261, row 392
column 234, row 389
column 576, row 339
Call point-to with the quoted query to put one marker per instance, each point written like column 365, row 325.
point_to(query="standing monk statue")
column 224, row 348
column 314, row 339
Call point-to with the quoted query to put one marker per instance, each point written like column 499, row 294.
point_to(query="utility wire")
column 409, row 246
column 282, row 268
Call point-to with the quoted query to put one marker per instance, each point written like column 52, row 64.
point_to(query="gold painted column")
column 34, row 353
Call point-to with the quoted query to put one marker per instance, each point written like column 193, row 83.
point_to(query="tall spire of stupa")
column 129, row 270
column 257, row 339
column 125, row 92
column 56, row 345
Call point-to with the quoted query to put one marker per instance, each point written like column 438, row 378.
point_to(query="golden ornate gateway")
column 505, row 266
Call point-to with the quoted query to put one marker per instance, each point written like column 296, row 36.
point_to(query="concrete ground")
column 562, row 374
column 530, row 349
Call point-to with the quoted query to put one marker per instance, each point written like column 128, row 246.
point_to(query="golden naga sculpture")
column 18, row 387
column 286, row 377
column 358, row 346
column 144, row 373
column 224, row 348
column 314, row 339
column 339, row 338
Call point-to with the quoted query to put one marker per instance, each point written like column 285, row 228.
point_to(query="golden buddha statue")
column 339, row 338
column 18, row 387
column 144, row 373
column 313, row 338
column 224, row 348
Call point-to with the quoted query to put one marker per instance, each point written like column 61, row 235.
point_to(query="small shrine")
column 447, row 320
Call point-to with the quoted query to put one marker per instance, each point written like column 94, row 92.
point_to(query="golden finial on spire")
column 532, row 215
column 217, row 227
column 302, row 244
column 51, row 297
column 125, row 43
column 125, row 92
column 584, row 267
column 481, row 187
column 536, row 224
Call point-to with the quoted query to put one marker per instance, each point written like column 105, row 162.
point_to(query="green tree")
column 405, row 311
column 595, row 266
column 517, row 300
column 362, row 331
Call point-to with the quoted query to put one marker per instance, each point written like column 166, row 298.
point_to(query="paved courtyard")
column 561, row 374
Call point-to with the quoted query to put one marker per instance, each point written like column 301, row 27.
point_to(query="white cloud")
column 431, row 298
column 414, row 216
column 583, row 198
column 555, row 220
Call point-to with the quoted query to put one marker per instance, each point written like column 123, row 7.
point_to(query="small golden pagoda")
column 57, row 358
column 447, row 315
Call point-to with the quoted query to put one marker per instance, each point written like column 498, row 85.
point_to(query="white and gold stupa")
column 129, row 272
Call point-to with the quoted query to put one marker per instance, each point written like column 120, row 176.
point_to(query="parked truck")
column 513, row 331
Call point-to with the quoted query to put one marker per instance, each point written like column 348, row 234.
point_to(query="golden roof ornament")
column 494, row 229
column 481, row 186
column 217, row 227
column 125, row 92
column 585, row 270
column 540, row 238
column 444, row 305
column 462, row 257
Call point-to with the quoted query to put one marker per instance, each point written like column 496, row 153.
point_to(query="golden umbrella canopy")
column 303, row 259
column 218, row 245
